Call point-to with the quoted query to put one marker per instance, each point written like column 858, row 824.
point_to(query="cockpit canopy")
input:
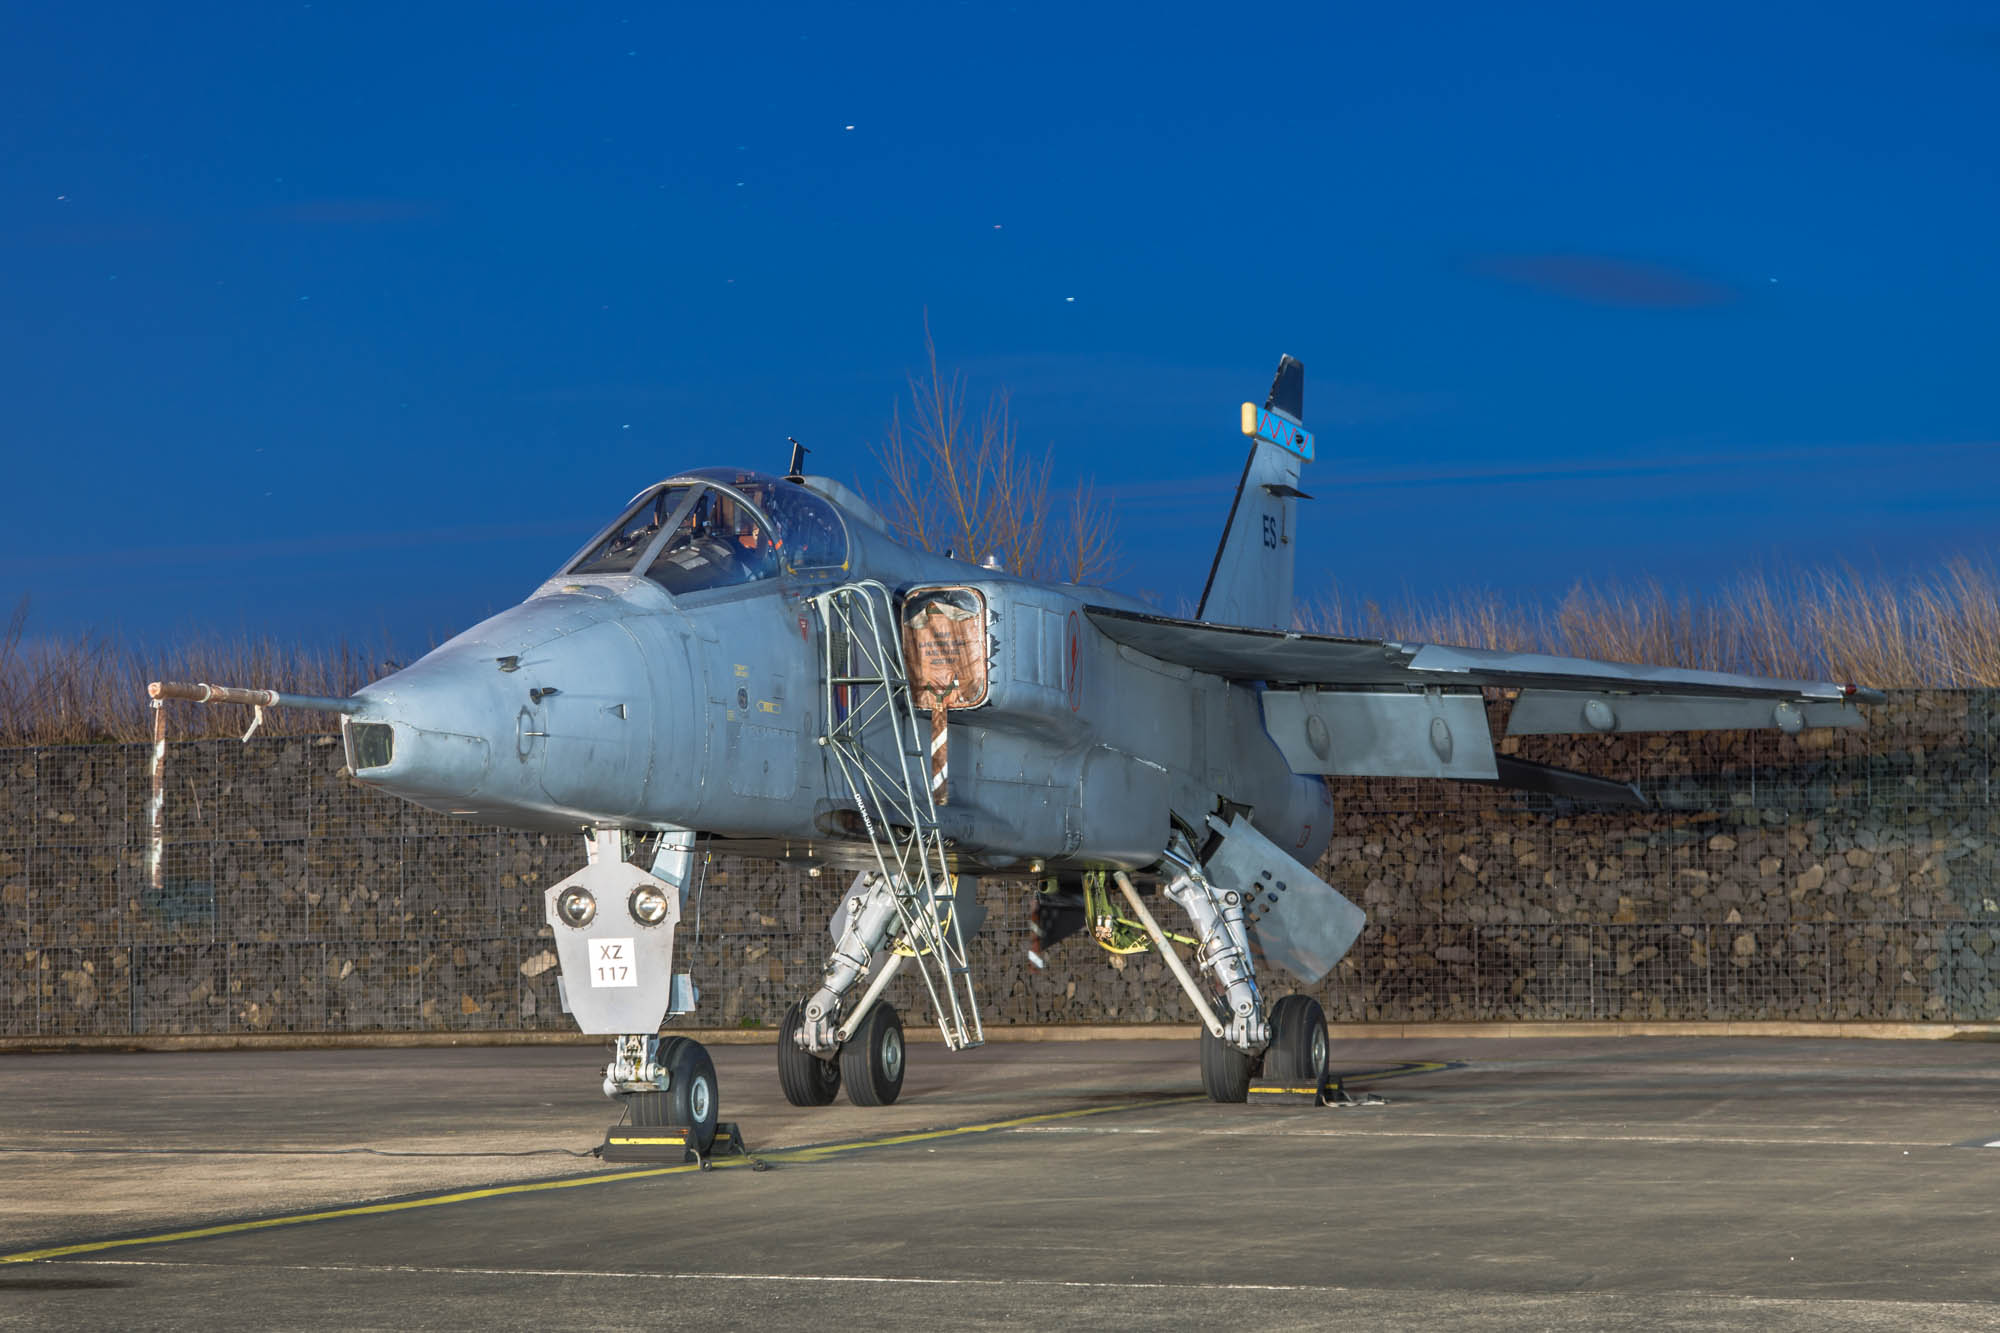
column 717, row 527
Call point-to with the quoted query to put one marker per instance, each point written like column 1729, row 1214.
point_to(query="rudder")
column 1250, row 580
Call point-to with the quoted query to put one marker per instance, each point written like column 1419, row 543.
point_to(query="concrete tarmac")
column 1558, row 1183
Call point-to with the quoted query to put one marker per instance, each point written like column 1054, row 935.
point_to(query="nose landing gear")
column 614, row 924
column 666, row 1082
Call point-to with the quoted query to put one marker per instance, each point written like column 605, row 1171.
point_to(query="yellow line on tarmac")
column 927, row 1135
column 811, row 1154
column 1400, row 1071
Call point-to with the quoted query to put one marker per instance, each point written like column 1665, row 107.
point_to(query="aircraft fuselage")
column 605, row 700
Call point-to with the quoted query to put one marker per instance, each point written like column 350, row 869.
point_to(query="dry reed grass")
column 89, row 689
column 1940, row 630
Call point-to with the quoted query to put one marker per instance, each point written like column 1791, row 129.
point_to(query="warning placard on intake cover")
column 945, row 644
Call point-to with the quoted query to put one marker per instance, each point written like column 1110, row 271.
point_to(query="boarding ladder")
column 871, row 731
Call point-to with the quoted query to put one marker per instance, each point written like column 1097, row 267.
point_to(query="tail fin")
column 1250, row 582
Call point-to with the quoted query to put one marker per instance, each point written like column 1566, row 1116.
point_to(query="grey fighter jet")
column 755, row 663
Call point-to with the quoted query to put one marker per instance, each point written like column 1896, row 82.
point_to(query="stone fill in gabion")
column 1833, row 875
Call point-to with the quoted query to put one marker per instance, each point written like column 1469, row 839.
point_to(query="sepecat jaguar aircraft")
column 756, row 664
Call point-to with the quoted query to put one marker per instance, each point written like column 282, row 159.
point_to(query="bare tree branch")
column 973, row 492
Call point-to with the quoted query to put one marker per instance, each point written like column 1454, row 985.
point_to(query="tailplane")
column 1250, row 582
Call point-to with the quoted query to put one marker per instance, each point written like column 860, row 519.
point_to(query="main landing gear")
column 1243, row 1051
column 808, row 1079
column 1294, row 1061
column 817, row 1052
column 869, row 1063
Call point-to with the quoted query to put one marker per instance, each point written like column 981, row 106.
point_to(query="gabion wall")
column 1836, row 875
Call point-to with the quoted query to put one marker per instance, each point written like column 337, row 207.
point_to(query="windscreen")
column 718, row 542
column 629, row 540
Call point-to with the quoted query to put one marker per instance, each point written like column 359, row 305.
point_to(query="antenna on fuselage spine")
column 797, row 471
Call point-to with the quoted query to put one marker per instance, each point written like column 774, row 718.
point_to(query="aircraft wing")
column 1410, row 709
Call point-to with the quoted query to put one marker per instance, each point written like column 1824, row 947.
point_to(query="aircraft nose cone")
column 423, row 736
column 504, row 724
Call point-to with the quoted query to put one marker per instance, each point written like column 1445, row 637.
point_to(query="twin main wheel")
column 690, row 1101
column 807, row 1079
column 870, row 1062
column 1296, row 1056
column 1226, row 1071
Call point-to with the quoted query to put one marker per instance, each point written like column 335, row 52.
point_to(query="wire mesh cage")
column 1833, row 875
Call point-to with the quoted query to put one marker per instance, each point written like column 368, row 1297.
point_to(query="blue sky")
column 340, row 319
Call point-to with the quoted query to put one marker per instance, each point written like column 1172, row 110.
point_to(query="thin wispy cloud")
column 1607, row 280
column 331, row 543
column 1328, row 475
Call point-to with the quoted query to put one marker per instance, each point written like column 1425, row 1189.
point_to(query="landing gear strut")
column 1222, row 933
column 865, row 1051
column 614, row 923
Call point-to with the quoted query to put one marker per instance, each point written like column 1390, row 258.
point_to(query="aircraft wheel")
column 653, row 1108
column 871, row 1063
column 690, row 1102
column 1225, row 1071
column 807, row 1079
column 1298, row 1042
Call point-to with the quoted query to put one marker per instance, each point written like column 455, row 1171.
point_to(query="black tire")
column 1297, row 1056
column 807, row 1079
column 654, row 1108
column 1225, row 1071
column 690, row 1101
column 871, row 1063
